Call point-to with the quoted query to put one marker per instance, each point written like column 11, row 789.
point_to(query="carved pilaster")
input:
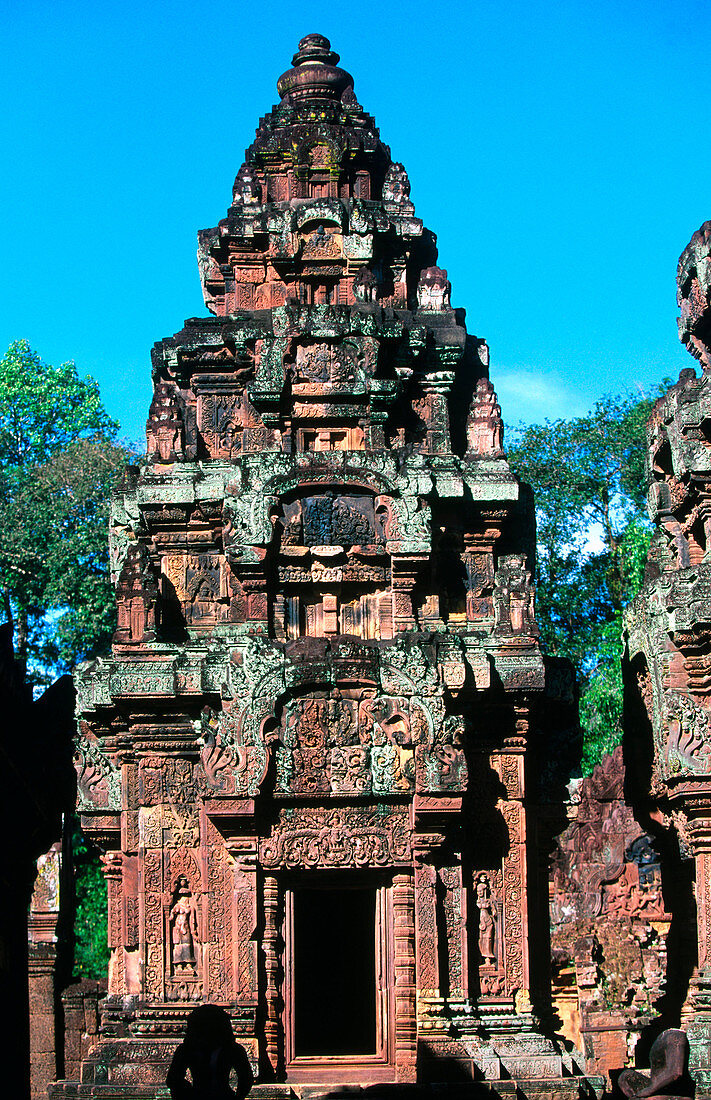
column 430, row 1003
column 702, row 861
column 426, row 925
column 152, row 925
column 244, row 945
column 112, row 864
column 514, row 876
column 454, row 906
column 697, row 1010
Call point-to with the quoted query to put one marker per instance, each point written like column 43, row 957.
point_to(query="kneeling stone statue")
column 668, row 1070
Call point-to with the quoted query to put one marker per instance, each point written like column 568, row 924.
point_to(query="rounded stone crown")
column 315, row 74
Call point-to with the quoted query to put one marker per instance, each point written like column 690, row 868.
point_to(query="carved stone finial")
column 316, row 48
column 136, row 597
column 165, row 429
column 315, row 74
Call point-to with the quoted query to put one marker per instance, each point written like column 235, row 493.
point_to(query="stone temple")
column 314, row 756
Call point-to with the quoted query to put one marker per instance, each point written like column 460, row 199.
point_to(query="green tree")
column 59, row 457
column 91, row 949
column 588, row 478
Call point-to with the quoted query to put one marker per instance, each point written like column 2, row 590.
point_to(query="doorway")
column 338, row 989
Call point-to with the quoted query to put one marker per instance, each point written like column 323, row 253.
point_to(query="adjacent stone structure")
column 80, row 1017
column 45, row 1043
column 37, row 786
column 668, row 670
column 313, row 756
column 610, row 923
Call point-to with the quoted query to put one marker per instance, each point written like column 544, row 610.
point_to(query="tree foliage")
column 59, row 457
column 91, row 949
column 588, row 478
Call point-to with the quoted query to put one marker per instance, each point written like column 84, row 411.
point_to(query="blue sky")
column 560, row 152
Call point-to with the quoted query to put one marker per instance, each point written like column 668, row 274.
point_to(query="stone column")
column 112, row 862
column 405, row 989
column 510, row 767
column 43, row 1052
column 81, row 1023
column 42, row 928
column 270, row 947
column 404, row 574
column 454, row 905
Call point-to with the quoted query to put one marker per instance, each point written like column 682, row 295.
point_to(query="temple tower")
column 312, row 757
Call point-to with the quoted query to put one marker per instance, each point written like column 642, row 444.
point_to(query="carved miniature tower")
column 311, row 757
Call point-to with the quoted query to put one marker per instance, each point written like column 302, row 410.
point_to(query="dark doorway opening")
column 334, row 972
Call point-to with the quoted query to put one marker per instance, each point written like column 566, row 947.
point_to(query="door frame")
column 379, row 1066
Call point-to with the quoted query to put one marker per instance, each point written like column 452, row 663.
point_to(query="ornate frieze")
column 338, row 838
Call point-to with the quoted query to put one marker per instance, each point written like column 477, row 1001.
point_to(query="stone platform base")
column 522, row 1066
column 566, row 1088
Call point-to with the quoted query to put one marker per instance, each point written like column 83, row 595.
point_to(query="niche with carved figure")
column 182, row 938
column 489, row 935
column 194, row 590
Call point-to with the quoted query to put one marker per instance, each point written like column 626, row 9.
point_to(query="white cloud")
column 532, row 396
